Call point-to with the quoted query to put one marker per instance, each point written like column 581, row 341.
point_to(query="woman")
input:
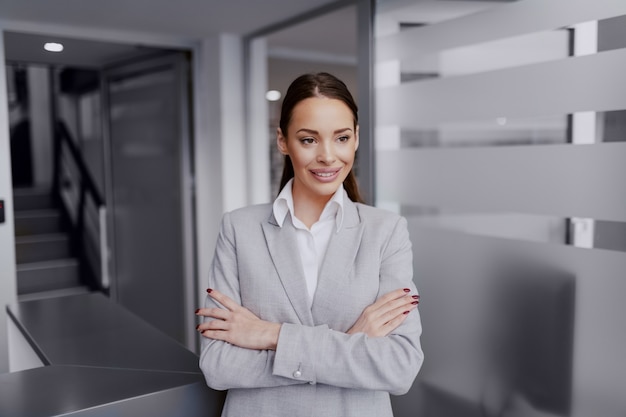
column 311, row 309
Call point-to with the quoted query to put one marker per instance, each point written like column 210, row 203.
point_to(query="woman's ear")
column 281, row 142
column 356, row 136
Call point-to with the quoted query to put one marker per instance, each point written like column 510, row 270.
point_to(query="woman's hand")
column 386, row 314
column 237, row 325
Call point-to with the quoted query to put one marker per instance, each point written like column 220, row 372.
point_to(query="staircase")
column 45, row 263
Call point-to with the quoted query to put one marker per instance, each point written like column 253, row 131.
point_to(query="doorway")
column 125, row 109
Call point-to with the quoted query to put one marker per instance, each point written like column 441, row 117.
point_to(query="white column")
column 7, row 235
column 220, row 145
column 258, row 135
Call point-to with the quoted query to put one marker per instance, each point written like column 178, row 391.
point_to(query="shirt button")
column 297, row 374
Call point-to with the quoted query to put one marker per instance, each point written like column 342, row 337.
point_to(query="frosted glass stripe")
column 558, row 180
column 504, row 21
column 574, row 231
column 593, row 82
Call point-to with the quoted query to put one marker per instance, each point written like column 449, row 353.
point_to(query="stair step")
column 53, row 293
column 32, row 199
column 47, row 275
column 45, row 247
column 33, row 222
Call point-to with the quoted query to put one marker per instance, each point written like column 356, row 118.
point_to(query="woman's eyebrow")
column 315, row 132
column 305, row 130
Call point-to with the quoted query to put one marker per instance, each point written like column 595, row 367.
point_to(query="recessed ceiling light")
column 53, row 47
column 273, row 95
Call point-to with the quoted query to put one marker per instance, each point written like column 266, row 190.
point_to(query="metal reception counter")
column 84, row 355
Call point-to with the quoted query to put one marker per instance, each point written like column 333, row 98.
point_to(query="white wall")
column 7, row 235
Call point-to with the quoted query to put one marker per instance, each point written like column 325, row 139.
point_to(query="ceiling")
column 95, row 33
column 90, row 31
column 184, row 18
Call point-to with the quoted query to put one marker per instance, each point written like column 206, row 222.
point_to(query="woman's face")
column 321, row 141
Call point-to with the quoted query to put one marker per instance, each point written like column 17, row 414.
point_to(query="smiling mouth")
column 325, row 174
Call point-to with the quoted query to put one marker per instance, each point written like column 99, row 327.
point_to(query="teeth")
column 324, row 174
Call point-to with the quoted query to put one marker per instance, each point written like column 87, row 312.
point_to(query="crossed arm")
column 238, row 326
column 240, row 350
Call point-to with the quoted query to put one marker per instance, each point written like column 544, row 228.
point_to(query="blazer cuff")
column 295, row 351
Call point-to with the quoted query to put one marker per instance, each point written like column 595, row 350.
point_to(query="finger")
column 392, row 295
column 216, row 325
column 398, row 310
column 384, row 310
column 216, row 313
column 394, row 323
column 215, row 334
column 223, row 299
column 395, row 294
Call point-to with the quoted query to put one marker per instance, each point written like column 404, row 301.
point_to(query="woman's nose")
column 326, row 154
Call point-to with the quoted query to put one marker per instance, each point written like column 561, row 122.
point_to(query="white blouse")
column 312, row 243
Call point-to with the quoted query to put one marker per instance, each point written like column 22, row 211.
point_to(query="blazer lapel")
column 338, row 261
column 283, row 247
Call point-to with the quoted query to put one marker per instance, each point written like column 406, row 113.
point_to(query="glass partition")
column 498, row 134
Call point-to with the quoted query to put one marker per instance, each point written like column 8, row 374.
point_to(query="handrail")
column 65, row 137
column 87, row 186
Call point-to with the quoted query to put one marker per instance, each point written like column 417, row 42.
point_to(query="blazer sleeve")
column 321, row 355
column 226, row 366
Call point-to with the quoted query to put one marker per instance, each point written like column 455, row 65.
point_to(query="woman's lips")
column 326, row 175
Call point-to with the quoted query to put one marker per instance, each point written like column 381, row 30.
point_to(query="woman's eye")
column 343, row 138
column 307, row 141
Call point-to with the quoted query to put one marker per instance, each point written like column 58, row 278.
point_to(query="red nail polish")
column 198, row 327
column 407, row 290
column 197, row 310
column 209, row 290
column 415, row 303
column 416, row 297
column 406, row 312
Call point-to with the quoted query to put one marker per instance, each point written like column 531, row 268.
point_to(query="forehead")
column 322, row 110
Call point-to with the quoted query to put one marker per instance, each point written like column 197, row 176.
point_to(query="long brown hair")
column 316, row 85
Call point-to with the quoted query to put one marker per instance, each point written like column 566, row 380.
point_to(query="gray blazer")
column 317, row 369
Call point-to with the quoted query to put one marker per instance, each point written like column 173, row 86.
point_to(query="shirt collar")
column 284, row 205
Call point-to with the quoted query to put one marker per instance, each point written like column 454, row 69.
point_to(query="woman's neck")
column 308, row 208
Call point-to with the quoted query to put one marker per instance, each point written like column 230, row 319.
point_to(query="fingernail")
column 416, row 297
column 197, row 310
column 415, row 302
column 209, row 290
column 406, row 312
column 407, row 290
column 198, row 327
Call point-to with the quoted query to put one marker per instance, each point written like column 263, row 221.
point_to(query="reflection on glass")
column 489, row 56
column 533, row 327
column 499, row 131
column 544, row 229
column 578, row 128
column 499, row 331
column 578, row 232
column 613, row 125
